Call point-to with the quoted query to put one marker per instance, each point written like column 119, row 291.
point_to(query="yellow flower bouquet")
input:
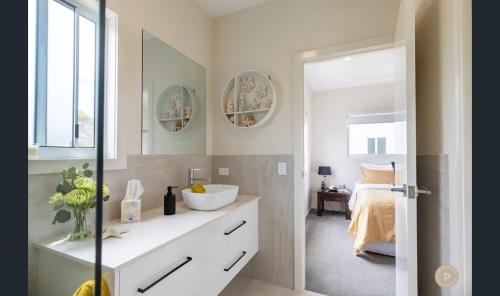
column 75, row 196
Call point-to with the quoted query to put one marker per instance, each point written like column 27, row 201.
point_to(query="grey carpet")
column 331, row 269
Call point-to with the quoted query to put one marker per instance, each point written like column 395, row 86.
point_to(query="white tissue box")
column 131, row 210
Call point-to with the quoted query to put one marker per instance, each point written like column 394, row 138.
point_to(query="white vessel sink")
column 215, row 197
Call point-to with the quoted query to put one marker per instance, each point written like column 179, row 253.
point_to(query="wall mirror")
column 173, row 100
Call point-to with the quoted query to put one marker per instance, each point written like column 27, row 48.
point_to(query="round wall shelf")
column 248, row 99
column 176, row 108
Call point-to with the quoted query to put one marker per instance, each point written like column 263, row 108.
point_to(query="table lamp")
column 324, row 171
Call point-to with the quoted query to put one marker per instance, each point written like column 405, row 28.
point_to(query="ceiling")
column 216, row 8
column 375, row 67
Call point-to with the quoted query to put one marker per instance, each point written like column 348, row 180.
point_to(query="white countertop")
column 153, row 231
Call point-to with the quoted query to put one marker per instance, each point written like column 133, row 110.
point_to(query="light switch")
column 281, row 168
column 223, row 171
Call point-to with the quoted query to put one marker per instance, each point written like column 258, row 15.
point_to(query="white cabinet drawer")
column 242, row 246
column 238, row 227
column 170, row 270
column 226, row 245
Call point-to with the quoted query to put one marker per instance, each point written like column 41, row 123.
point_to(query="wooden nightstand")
column 333, row 196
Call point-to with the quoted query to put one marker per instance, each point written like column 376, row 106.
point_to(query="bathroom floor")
column 243, row 286
column 331, row 269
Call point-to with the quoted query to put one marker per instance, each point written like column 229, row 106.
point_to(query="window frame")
column 376, row 145
column 395, row 116
column 40, row 114
column 378, row 141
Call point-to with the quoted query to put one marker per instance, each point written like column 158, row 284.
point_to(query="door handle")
column 232, row 230
column 143, row 290
column 243, row 253
column 411, row 191
column 399, row 189
column 423, row 191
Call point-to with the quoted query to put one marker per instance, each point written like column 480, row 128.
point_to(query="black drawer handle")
column 242, row 223
column 142, row 290
column 243, row 253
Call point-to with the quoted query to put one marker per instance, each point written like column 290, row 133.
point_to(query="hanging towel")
column 87, row 289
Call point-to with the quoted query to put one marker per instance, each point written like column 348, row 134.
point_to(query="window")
column 376, row 145
column 62, row 84
column 376, row 134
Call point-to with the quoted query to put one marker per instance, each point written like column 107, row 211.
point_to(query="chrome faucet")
column 191, row 177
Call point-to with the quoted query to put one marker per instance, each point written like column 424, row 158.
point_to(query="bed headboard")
column 393, row 163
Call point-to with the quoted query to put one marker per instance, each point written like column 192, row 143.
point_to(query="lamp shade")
column 324, row 171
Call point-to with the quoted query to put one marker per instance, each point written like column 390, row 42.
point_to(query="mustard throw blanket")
column 373, row 218
column 87, row 289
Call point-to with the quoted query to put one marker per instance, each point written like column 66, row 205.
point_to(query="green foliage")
column 64, row 187
column 75, row 192
column 82, row 116
column 71, row 174
column 61, row 216
column 58, row 205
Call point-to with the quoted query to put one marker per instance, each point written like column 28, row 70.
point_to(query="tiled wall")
column 433, row 222
column 254, row 174
column 154, row 172
column 258, row 175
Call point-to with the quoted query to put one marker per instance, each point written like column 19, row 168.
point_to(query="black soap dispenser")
column 169, row 201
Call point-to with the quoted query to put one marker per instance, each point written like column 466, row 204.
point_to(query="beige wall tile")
column 155, row 173
column 258, row 174
column 433, row 222
column 254, row 174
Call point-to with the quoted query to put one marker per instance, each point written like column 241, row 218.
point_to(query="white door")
column 404, row 104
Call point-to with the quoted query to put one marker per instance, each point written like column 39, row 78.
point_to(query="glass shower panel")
column 60, row 71
column 62, row 186
column 86, row 81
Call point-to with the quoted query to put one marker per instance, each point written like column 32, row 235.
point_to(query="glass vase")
column 81, row 230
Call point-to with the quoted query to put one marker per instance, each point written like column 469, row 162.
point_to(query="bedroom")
column 352, row 138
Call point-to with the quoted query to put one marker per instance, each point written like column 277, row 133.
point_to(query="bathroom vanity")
column 189, row 253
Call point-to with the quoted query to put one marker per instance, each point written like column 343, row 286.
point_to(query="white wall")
column 251, row 38
column 179, row 23
column 307, row 148
column 329, row 110
column 265, row 37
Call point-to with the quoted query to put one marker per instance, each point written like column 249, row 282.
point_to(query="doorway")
column 351, row 138
column 404, row 37
column 306, row 172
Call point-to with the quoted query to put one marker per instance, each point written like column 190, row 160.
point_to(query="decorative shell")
column 188, row 111
column 261, row 91
column 241, row 103
column 252, row 93
column 230, row 106
column 248, row 121
column 247, row 83
column 178, row 126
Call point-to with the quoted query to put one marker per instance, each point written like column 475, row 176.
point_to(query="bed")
column 373, row 218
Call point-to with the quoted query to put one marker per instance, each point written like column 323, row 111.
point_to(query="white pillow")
column 377, row 166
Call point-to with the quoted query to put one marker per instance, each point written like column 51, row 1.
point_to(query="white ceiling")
column 216, row 8
column 364, row 69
